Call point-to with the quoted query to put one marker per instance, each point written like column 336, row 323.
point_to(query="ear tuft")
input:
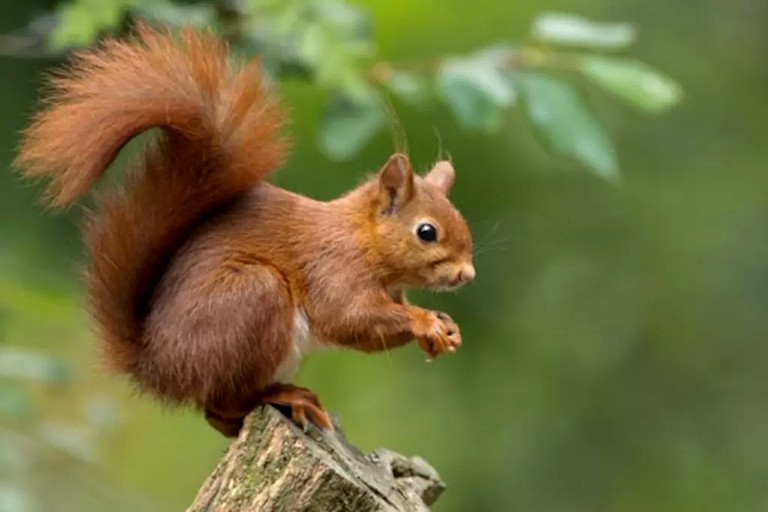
column 441, row 176
column 396, row 183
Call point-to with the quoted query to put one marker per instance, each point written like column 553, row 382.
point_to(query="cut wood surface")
column 274, row 466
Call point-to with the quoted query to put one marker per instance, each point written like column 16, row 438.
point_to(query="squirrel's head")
column 420, row 237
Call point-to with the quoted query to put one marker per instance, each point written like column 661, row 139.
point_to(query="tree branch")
column 274, row 467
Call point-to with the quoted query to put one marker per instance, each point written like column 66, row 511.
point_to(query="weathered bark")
column 275, row 467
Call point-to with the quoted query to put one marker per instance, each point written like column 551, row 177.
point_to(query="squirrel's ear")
column 395, row 183
column 441, row 176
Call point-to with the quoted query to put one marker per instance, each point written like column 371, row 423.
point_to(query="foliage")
column 614, row 339
column 330, row 43
column 32, row 436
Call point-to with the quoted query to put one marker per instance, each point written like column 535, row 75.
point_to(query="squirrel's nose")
column 467, row 273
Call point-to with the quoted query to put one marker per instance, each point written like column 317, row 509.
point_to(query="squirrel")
column 207, row 284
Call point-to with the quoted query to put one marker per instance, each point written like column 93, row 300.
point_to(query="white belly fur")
column 303, row 343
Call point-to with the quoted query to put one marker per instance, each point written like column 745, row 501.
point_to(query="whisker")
column 439, row 143
column 486, row 250
column 389, row 356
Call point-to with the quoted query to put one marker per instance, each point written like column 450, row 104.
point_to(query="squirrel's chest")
column 303, row 343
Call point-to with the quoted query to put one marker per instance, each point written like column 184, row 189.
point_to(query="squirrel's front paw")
column 442, row 335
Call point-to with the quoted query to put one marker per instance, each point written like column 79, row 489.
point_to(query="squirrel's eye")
column 426, row 232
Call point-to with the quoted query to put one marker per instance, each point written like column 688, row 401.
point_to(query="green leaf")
column 102, row 412
column 17, row 363
column 633, row 81
column 77, row 441
column 410, row 87
column 82, row 20
column 349, row 124
column 199, row 15
column 13, row 456
column 312, row 44
column 334, row 60
column 14, row 499
column 348, row 20
column 478, row 88
column 566, row 124
column 13, row 401
column 570, row 30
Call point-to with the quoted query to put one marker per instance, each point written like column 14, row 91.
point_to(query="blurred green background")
column 615, row 338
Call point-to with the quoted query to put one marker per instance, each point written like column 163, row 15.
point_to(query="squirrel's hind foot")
column 304, row 405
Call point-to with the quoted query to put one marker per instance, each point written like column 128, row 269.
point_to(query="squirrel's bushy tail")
column 219, row 138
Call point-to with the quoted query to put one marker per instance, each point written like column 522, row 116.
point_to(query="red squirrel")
column 207, row 284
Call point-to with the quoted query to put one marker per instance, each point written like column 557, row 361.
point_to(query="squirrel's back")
column 219, row 139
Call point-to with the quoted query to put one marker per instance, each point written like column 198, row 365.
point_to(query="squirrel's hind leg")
column 216, row 338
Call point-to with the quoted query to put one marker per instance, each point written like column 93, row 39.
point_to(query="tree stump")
column 273, row 466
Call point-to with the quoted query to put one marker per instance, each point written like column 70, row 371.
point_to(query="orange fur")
column 201, row 273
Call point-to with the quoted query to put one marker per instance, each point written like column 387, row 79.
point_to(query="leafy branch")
column 329, row 43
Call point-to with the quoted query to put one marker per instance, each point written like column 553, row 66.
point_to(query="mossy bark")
column 273, row 466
